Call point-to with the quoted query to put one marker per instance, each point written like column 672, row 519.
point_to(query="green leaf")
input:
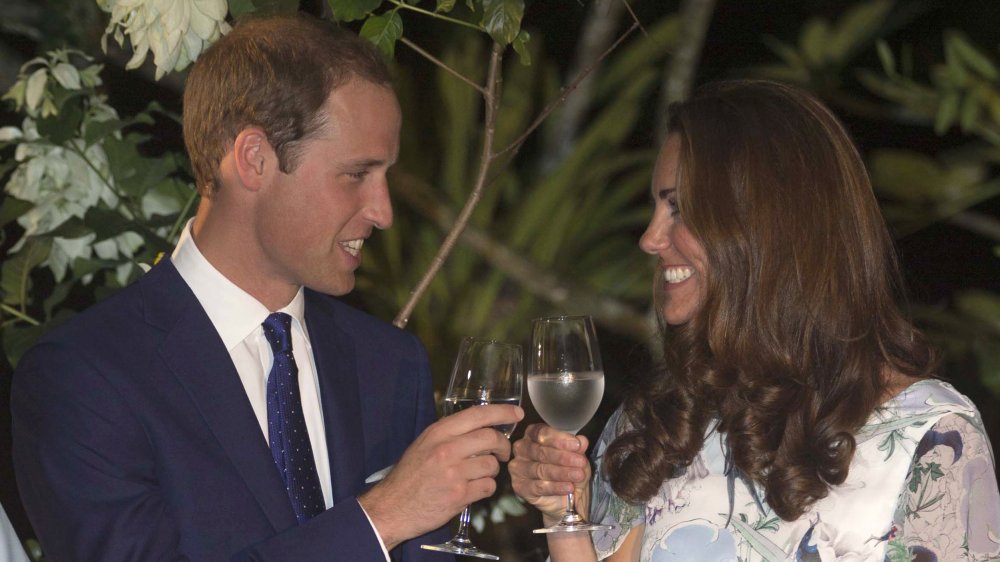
column 502, row 19
column 18, row 339
column 96, row 130
column 521, row 47
column 445, row 6
column 240, row 8
column 13, row 208
column 857, row 26
column 351, row 10
column 106, row 223
column 813, row 40
column 384, row 31
column 62, row 126
column 888, row 59
column 984, row 305
column 15, row 275
column 971, row 109
column 971, row 56
column 270, row 7
column 946, row 113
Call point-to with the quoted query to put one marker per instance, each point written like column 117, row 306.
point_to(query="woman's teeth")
column 677, row 274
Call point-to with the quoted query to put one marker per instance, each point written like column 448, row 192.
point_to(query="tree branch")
column 679, row 77
column 979, row 223
column 563, row 94
column 447, row 68
column 492, row 102
column 598, row 31
column 611, row 312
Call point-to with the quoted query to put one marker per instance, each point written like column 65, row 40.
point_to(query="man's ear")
column 255, row 159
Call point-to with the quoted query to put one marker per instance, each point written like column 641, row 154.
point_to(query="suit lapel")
column 196, row 355
column 336, row 366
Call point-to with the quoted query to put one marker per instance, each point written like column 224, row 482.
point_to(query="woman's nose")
column 655, row 239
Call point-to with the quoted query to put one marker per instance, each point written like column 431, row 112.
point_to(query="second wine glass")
column 485, row 372
column 566, row 384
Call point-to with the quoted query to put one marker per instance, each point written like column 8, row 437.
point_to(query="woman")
column 795, row 416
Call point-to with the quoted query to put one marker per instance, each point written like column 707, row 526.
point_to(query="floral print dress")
column 921, row 487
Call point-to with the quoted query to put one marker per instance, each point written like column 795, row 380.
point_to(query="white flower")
column 176, row 31
column 33, row 90
column 59, row 182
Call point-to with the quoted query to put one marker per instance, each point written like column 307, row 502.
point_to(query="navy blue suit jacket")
column 134, row 438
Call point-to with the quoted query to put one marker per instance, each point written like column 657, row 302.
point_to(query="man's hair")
column 275, row 73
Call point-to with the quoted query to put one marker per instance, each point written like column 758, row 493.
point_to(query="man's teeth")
column 353, row 247
column 676, row 274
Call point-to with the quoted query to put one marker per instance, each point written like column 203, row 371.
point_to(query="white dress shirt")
column 10, row 545
column 238, row 318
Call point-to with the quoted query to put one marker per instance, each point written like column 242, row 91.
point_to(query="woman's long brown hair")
column 801, row 322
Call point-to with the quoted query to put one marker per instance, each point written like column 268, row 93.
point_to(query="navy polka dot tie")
column 286, row 425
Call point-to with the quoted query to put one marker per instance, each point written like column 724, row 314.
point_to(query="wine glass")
column 486, row 372
column 566, row 383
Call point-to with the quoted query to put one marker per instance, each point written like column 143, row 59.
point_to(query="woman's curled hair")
column 801, row 321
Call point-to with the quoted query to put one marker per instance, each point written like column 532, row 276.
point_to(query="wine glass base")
column 462, row 549
column 572, row 528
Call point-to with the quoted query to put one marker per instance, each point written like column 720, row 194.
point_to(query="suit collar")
column 195, row 354
column 336, row 363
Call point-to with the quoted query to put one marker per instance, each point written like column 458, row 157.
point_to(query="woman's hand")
column 547, row 465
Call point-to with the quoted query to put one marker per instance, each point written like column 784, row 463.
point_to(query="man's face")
column 312, row 222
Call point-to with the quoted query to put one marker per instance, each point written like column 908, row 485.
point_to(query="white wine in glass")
column 485, row 372
column 566, row 384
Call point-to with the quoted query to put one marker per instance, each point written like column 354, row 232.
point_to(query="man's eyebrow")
column 364, row 163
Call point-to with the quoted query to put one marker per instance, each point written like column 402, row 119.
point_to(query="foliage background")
column 916, row 82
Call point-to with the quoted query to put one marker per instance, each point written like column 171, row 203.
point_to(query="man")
column 223, row 407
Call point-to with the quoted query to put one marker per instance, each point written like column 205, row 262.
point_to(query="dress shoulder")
column 606, row 507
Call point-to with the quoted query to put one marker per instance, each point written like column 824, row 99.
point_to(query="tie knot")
column 278, row 332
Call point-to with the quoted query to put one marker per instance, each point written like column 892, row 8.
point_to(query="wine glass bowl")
column 566, row 384
column 485, row 372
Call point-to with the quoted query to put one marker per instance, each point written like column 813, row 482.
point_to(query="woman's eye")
column 672, row 205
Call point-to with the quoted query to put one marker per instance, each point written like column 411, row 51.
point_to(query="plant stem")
column 563, row 94
column 406, row 6
column 122, row 200
column 449, row 69
column 19, row 314
column 492, row 102
column 176, row 228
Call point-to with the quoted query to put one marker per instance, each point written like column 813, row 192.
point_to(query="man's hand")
column 450, row 465
column 547, row 465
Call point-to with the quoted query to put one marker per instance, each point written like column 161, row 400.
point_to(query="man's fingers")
column 487, row 415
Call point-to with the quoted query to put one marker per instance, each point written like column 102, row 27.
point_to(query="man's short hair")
column 275, row 73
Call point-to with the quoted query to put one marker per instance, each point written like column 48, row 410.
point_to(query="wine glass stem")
column 570, row 505
column 462, row 536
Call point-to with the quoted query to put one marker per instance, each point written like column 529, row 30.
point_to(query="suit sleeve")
column 84, row 464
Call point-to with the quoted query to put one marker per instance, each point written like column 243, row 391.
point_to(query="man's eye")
column 358, row 175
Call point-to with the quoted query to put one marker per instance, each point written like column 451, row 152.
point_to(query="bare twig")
column 536, row 280
column 19, row 314
column 492, row 103
column 679, row 77
column 598, row 31
column 563, row 94
column 980, row 223
column 447, row 68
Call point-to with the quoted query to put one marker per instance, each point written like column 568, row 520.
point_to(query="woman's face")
column 680, row 285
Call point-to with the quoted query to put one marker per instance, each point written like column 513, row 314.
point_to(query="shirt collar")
column 234, row 312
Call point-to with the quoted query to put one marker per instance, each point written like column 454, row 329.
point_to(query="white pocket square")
column 379, row 474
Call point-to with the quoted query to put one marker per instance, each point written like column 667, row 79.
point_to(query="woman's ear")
column 254, row 158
